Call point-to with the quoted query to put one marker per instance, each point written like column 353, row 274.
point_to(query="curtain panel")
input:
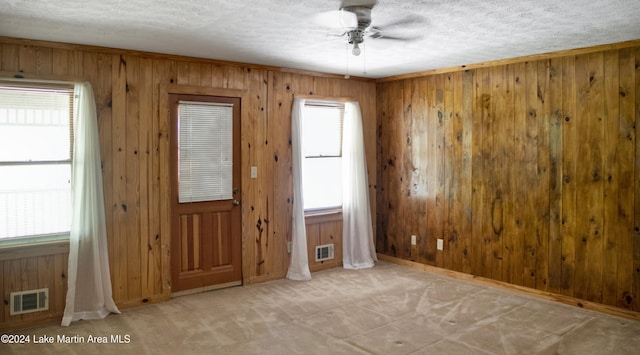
column 89, row 283
column 358, row 249
column 299, row 263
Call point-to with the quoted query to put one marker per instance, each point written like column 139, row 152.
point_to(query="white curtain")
column 358, row 249
column 89, row 284
column 299, row 264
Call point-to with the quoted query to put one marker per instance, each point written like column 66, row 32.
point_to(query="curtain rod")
column 325, row 98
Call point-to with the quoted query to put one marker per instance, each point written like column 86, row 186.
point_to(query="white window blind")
column 205, row 154
column 35, row 160
column 322, row 149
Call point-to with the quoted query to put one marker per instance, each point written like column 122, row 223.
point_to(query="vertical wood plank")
column 10, row 57
column 393, row 168
column 132, row 184
column 456, row 226
column 183, row 73
column 531, row 173
column 44, row 60
column 46, row 278
column 194, row 74
column 157, row 272
column 145, row 172
column 466, row 176
column 542, row 185
column 611, row 179
column 27, row 58
column 118, row 149
column 477, row 173
column 60, row 280
column 555, row 174
column 430, row 158
column 449, row 170
column 519, row 175
column 60, row 62
column 75, row 63
column 507, row 133
column 10, row 275
column 313, row 240
column 206, row 75
column 419, row 147
column 627, row 188
column 636, row 241
column 488, row 134
column 410, row 201
column 569, row 175
column 382, row 154
column 99, row 75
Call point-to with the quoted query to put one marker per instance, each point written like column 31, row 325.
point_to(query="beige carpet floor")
column 389, row 309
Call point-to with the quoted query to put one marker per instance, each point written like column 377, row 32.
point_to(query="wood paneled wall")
column 529, row 171
column 134, row 140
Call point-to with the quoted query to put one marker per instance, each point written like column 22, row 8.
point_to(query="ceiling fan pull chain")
column 346, row 75
column 364, row 59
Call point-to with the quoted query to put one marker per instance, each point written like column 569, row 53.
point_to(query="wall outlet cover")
column 440, row 245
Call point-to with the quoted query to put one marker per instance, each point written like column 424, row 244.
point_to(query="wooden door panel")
column 206, row 250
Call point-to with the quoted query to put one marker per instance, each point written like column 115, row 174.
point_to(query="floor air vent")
column 324, row 252
column 29, row 301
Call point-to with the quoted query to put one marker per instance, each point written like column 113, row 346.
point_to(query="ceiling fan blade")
column 379, row 36
column 408, row 20
column 366, row 3
column 337, row 19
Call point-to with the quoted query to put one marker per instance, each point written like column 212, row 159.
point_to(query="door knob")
column 236, row 203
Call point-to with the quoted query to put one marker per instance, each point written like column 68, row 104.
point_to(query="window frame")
column 327, row 213
column 64, row 87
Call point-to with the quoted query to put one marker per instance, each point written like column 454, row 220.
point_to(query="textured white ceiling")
column 283, row 32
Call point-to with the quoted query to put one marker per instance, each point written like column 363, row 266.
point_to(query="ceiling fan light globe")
column 356, row 50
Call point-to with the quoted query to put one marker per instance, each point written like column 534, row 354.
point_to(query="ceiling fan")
column 354, row 21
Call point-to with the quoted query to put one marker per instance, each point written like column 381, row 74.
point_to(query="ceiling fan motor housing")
column 356, row 36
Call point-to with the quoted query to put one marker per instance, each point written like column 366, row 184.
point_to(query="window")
column 322, row 149
column 36, row 143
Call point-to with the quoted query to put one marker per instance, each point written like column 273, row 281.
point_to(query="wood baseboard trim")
column 205, row 289
column 15, row 326
column 572, row 301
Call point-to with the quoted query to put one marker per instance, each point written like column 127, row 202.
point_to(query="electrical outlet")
column 413, row 239
column 254, row 172
column 440, row 245
column 289, row 247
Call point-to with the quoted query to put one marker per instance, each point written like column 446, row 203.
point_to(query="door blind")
column 205, row 154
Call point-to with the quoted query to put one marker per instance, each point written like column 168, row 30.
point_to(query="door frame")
column 165, row 155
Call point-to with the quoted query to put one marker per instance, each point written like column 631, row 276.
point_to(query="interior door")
column 205, row 173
